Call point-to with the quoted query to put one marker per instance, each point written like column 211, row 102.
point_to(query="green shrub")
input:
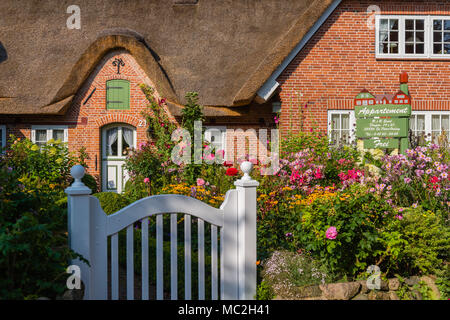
column 111, row 202
column 90, row 182
column 418, row 243
column 443, row 282
column 46, row 168
column 264, row 291
column 135, row 189
column 357, row 216
column 33, row 240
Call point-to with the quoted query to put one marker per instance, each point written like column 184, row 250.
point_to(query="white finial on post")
column 246, row 225
column 77, row 172
column 246, row 168
column 78, row 187
column 79, row 224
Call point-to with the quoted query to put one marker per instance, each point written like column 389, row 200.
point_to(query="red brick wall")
column 339, row 61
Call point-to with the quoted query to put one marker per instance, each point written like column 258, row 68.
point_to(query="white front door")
column 117, row 141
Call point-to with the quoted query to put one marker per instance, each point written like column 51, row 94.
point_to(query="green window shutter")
column 117, row 94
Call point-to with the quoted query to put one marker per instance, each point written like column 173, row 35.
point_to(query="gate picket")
column 130, row 263
column 187, row 257
column 173, row 257
column 159, row 257
column 115, row 266
column 144, row 263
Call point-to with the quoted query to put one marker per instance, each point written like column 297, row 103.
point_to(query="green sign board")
column 383, row 110
column 375, row 143
column 389, row 128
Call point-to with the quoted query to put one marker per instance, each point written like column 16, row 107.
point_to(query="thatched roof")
column 224, row 50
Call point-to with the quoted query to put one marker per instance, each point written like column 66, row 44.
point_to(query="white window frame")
column 351, row 123
column 119, row 127
column 49, row 129
column 223, row 130
column 433, row 55
column 428, row 38
column 3, row 142
column 428, row 121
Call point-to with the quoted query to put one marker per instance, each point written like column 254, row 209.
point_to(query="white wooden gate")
column 89, row 228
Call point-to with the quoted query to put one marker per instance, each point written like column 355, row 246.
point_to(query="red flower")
column 434, row 179
column 228, row 164
column 231, row 172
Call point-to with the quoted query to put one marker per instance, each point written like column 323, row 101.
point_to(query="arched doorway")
column 117, row 141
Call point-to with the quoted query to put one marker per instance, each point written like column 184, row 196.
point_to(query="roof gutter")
column 269, row 87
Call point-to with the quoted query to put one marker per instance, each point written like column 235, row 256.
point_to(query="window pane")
column 127, row 140
column 409, row 48
column 384, row 48
column 409, row 24
column 437, row 36
column 446, row 24
column 41, row 135
column 335, row 123
column 412, row 123
column 393, row 36
column 446, row 36
column 447, row 48
column 393, row 24
column 437, row 24
column 393, row 48
column 345, row 137
column 345, row 122
column 112, row 142
column 383, row 36
column 445, row 125
column 420, row 48
column 437, row 48
column 435, row 122
column 384, row 24
column 420, row 23
column 409, row 36
column 58, row 135
column 420, row 36
column 421, row 122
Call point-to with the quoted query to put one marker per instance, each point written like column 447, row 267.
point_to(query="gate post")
column 246, row 225
column 79, row 226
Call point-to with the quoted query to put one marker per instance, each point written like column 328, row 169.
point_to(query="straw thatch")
column 224, row 50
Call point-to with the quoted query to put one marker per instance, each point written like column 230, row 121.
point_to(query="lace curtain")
column 111, row 138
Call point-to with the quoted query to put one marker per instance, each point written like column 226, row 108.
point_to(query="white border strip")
column 269, row 87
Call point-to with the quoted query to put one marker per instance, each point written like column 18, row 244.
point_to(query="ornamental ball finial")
column 77, row 172
column 246, row 168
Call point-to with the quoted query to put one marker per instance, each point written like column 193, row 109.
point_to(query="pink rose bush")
column 419, row 176
column 331, row 233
